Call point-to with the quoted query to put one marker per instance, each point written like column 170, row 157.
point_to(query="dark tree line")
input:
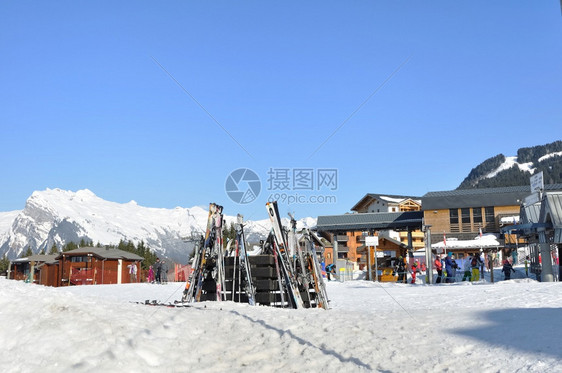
column 551, row 168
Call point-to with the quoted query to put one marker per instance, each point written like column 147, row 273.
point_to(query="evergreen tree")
column 229, row 233
column 54, row 249
column 27, row 253
column 122, row 245
column 4, row 264
column 69, row 246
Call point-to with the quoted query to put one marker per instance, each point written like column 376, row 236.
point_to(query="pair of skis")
column 298, row 268
column 244, row 268
column 315, row 271
column 287, row 280
column 208, row 263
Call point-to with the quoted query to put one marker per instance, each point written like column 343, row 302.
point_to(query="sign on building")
column 537, row 182
column 371, row 241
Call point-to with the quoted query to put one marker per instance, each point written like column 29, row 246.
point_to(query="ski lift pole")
column 369, row 263
column 376, row 265
column 428, row 256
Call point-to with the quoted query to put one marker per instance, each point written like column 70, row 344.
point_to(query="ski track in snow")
column 508, row 326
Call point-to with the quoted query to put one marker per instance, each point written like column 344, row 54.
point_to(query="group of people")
column 472, row 267
column 158, row 273
column 402, row 269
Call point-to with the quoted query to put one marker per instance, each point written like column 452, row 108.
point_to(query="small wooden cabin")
column 39, row 269
column 97, row 265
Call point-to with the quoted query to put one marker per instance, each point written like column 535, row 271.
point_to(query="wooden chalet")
column 460, row 215
column 381, row 203
column 371, row 203
column 347, row 234
column 39, row 269
column 94, row 265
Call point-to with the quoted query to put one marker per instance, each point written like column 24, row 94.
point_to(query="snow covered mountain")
column 502, row 171
column 56, row 216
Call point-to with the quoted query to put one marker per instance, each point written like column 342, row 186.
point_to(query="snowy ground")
column 508, row 326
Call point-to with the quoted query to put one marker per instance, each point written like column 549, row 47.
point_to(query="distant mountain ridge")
column 56, row 216
column 502, row 171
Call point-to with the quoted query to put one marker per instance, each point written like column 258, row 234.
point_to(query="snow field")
column 510, row 326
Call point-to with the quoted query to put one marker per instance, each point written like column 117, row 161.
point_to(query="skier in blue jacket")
column 450, row 267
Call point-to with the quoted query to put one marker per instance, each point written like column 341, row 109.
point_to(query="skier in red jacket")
column 414, row 270
column 439, row 269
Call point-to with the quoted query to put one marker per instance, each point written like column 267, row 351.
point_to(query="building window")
column 477, row 214
column 490, row 217
column 79, row 259
column 465, row 216
column 453, row 216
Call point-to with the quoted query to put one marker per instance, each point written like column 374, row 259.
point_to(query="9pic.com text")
column 296, row 198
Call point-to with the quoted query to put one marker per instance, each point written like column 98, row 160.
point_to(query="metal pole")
column 335, row 258
column 376, row 265
column 428, row 258
column 546, row 273
column 491, row 263
column 370, row 277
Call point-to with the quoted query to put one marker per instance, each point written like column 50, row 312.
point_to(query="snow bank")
column 508, row 326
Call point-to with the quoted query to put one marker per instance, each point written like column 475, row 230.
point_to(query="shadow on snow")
column 304, row 342
column 529, row 330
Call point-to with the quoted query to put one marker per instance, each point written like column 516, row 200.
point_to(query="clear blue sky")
column 84, row 103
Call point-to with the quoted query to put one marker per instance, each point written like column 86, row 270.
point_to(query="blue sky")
column 97, row 95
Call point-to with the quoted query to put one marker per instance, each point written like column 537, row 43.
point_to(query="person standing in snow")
column 330, row 270
column 401, row 270
column 439, row 268
column 157, row 269
column 467, row 269
column 150, row 277
column 527, row 266
column 475, row 266
column 450, row 267
column 164, row 272
column 132, row 272
column 414, row 270
column 507, row 268
column 455, row 268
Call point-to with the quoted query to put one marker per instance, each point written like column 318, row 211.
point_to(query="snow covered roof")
column 510, row 219
column 487, row 240
column 389, row 198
